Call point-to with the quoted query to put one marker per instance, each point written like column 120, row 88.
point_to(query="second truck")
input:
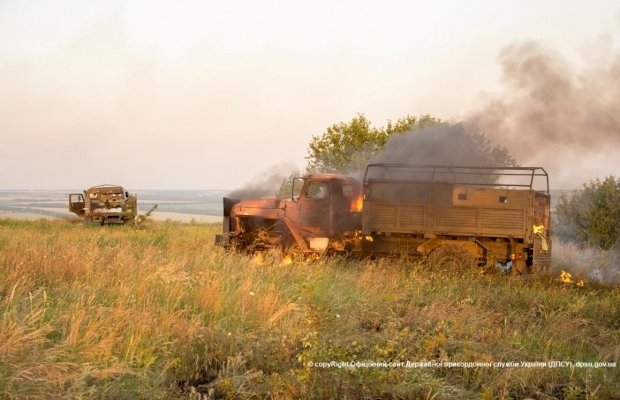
column 106, row 204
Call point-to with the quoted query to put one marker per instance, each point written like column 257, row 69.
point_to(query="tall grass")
column 114, row 312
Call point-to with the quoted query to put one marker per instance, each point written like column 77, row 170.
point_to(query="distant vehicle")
column 107, row 204
column 485, row 216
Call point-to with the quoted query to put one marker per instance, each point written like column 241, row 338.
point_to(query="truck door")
column 314, row 207
column 76, row 203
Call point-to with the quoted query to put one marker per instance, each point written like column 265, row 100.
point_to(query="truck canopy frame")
column 517, row 177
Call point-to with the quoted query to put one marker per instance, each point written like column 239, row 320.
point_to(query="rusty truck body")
column 489, row 216
column 106, row 204
column 324, row 215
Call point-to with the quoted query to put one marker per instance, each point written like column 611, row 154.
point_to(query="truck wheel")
column 451, row 258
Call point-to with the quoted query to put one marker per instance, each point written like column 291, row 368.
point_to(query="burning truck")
column 454, row 215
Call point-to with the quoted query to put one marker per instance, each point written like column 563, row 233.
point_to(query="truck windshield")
column 317, row 190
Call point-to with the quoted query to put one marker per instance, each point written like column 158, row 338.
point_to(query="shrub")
column 591, row 216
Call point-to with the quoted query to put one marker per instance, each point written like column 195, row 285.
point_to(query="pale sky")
column 206, row 95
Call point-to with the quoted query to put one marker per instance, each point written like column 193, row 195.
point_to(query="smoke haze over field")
column 203, row 94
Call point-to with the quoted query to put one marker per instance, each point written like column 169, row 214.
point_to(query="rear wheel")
column 452, row 258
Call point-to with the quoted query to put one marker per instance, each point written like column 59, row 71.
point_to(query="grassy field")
column 158, row 313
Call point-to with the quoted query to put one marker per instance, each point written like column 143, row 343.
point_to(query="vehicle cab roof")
column 331, row 177
column 106, row 186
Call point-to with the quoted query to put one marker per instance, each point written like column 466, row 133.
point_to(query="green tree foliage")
column 347, row 146
column 343, row 144
column 591, row 216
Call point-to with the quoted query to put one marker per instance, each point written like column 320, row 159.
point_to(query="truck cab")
column 328, row 207
column 323, row 216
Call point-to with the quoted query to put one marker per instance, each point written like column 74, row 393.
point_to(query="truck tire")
column 452, row 258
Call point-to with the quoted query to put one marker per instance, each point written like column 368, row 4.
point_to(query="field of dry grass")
column 114, row 312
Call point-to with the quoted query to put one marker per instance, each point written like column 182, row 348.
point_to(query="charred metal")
column 106, row 204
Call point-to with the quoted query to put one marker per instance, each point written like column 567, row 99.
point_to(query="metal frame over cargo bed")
column 394, row 172
column 450, row 201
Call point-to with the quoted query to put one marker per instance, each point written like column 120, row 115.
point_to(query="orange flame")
column 287, row 260
column 358, row 204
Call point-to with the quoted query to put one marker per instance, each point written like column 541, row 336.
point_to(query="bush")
column 591, row 216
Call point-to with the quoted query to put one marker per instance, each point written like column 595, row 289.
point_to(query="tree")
column 411, row 123
column 348, row 146
column 591, row 216
column 343, row 144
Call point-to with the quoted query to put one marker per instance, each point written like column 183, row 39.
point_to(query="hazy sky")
column 206, row 95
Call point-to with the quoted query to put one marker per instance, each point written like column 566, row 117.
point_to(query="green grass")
column 115, row 312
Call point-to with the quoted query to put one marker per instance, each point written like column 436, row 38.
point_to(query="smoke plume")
column 444, row 144
column 265, row 184
column 550, row 112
